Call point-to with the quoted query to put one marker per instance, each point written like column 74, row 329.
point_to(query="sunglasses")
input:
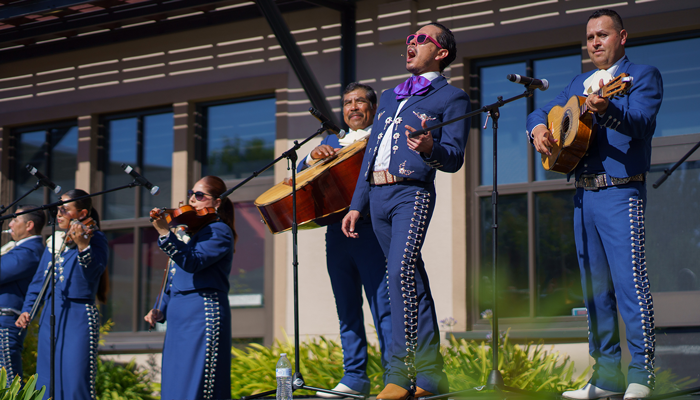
column 420, row 39
column 197, row 195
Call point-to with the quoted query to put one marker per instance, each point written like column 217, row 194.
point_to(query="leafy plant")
column 530, row 367
column 253, row 368
column 15, row 391
column 117, row 381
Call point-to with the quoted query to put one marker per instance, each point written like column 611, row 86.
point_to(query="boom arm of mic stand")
column 669, row 171
column 499, row 103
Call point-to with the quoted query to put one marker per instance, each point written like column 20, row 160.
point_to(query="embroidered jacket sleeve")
column 93, row 260
column 205, row 248
column 19, row 263
column 448, row 151
column 635, row 116
column 37, row 282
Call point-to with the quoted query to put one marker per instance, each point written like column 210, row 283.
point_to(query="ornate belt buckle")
column 588, row 182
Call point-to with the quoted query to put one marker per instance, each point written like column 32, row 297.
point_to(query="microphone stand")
column 52, row 209
column 291, row 156
column 668, row 172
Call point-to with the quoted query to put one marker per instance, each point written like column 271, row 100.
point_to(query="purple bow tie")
column 415, row 85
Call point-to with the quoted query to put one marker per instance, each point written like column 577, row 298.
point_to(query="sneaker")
column 339, row 388
column 589, row 392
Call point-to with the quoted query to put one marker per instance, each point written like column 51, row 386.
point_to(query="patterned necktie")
column 415, row 85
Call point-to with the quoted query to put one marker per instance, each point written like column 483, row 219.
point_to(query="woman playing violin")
column 81, row 261
column 197, row 348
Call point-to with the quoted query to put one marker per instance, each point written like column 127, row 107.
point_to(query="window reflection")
column 52, row 151
column 673, row 229
column 512, row 151
column 247, row 273
column 154, row 262
column 558, row 277
column 239, row 138
column 513, row 282
column 679, row 69
column 145, row 142
column 120, row 299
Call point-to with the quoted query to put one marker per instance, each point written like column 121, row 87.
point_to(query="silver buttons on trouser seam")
column 212, row 317
column 94, row 333
column 641, row 285
column 408, row 279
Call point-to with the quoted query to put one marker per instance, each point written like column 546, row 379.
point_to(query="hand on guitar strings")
column 323, row 151
column 543, row 139
column 596, row 103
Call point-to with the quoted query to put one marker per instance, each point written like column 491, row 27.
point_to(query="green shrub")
column 468, row 364
column 253, row 368
column 15, row 391
column 118, row 381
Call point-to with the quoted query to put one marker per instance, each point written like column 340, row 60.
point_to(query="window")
column 143, row 141
column 239, row 137
column 677, row 64
column 531, row 214
column 52, row 150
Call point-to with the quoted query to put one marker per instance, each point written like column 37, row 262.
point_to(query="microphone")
column 531, row 83
column 44, row 180
column 141, row 179
column 327, row 123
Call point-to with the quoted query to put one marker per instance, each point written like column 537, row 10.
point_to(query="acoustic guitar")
column 572, row 126
column 324, row 192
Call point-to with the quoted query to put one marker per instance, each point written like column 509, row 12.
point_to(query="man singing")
column 396, row 185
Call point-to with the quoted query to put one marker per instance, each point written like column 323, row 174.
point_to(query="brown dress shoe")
column 421, row 393
column 393, row 392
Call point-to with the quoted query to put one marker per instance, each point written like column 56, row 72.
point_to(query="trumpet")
column 8, row 231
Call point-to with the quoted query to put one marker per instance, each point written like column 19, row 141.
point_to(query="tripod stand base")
column 299, row 384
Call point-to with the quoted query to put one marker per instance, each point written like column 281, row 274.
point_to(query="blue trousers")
column 401, row 214
column 609, row 234
column 11, row 343
column 352, row 264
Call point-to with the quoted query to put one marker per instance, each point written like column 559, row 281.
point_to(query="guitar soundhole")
column 565, row 125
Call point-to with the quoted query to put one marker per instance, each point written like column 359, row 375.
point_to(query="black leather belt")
column 597, row 181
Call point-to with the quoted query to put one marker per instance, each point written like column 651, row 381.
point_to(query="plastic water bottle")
column 284, row 378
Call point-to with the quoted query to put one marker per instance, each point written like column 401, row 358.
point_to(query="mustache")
column 359, row 114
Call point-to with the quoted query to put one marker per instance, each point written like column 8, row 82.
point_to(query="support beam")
column 348, row 44
column 296, row 59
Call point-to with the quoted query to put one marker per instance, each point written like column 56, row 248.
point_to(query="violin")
column 89, row 226
column 186, row 217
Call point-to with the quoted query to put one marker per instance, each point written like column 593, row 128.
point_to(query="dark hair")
column 447, row 41
column 37, row 217
column 369, row 92
column 216, row 187
column 617, row 21
column 86, row 204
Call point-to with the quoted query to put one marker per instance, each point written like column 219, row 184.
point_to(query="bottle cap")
column 283, row 354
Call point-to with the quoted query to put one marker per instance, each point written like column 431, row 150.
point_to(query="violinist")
column 80, row 278
column 194, row 299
